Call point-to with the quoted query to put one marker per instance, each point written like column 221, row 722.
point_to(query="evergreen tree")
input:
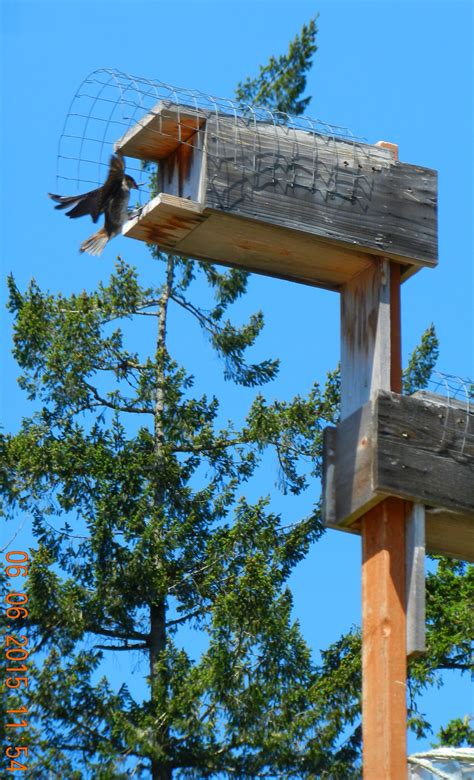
column 134, row 488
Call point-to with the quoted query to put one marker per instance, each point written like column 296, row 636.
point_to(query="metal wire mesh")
column 459, row 394
column 109, row 102
column 454, row 387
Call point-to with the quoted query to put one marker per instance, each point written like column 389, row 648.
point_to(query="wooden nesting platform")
column 280, row 201
column 418, row 447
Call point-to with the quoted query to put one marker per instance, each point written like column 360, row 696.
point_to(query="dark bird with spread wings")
column 111, row 200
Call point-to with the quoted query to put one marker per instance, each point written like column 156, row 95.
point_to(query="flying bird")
column 111, row 200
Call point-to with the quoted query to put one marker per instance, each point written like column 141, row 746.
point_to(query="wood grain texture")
column 345, row 191
column 425, row 450
column 329, row 495
column 165, row 221
column 253, row 246
column 181, row 173
column 383, row 642
column 395, row 357
column 353, row 199
column 158, row 134
column 415, row 581
column 413, row 447
column 366, row 336
column 352, row 478
column 450, row 534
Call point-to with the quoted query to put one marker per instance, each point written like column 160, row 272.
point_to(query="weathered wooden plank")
column 271, row 250
column 158, row 134
column 415, row 583
column 383, row 641
column 450, row 533
column 352, row 457
column 351, row 194
column 248, row 244
column 181, row 173
column 425, row 450
column 165, row 220
column 418, row 449
column 344, row 191
column 393, row 148
column 396, row 374
column 329, row 477
column 365, row 336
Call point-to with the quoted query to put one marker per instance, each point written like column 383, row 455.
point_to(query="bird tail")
column 95, row 244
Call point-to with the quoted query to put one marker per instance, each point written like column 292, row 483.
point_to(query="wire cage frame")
column 109, row 103
column 454, row 387
column 459, row 394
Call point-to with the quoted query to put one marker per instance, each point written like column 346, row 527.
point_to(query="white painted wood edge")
column 415, row 581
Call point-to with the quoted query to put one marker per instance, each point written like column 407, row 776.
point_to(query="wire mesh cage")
column 334, row 196
column 454, row 387
column 109, row 103
column 456, row 433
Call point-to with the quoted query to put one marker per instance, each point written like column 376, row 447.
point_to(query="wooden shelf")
column 182, row 226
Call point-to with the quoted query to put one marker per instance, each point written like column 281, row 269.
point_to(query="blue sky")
column 400, row 71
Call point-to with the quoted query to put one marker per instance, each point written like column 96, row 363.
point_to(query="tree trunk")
column 158, row 670
column 159, row 685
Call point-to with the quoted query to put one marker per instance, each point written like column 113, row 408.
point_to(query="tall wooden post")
column 370, row 361
column 384, row 665
column 384, row 642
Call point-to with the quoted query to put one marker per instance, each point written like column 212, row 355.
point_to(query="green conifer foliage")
column 135, row 490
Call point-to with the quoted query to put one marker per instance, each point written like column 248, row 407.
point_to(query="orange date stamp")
column 16, row 653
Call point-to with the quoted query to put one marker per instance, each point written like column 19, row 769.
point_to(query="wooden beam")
column 450, row 533
column 366, row 344
column 415, row 595
column 424, row 451
column 383, row 642
column 169, row 221
column 420, row 448
column 172, row 219
column 358, row 194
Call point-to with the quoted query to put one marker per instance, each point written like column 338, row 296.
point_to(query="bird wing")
column 95, row 201
column 88, row 203
column 113, row 182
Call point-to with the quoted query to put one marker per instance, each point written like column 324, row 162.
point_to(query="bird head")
column 131, row 182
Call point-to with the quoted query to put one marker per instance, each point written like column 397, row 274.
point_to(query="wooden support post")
column 383, row 642
column 365, row 336
column 384, row 659
column 371, row 361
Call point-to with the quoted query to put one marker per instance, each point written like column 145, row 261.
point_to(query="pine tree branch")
column 115, row 406
column 189, row 616
column 457, row 665
column 142, row 646
column 204, row 321
column 117, row 634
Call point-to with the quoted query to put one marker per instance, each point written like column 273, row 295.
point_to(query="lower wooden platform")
column 182, row 226
column 419, row 448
